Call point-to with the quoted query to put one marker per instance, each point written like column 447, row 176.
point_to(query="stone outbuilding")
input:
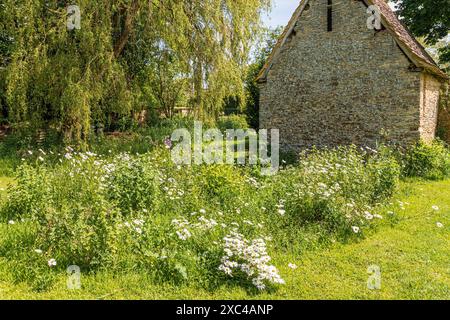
column 333, row 79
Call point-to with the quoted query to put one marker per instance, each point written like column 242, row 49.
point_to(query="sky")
column 281, row 12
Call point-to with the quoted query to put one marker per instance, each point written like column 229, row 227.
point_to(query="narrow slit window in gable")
column 330, row 15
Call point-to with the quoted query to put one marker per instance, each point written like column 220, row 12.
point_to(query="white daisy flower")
column 292, row 266
column 184, row 234
column 368, row 215
column 356, row 229
column 51, row 263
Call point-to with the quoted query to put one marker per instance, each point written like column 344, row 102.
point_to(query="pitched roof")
column 410, row 46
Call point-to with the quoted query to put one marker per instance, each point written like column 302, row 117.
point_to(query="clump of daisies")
column 249, row 257
column 136, row 225
column 182, row 232
column 184, row 227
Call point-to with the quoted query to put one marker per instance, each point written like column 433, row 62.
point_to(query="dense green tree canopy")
column 69, row 80
column 429, row 19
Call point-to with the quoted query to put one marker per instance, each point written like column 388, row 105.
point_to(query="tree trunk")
column 130, row 15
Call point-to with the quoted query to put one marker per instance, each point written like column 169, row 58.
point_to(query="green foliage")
column 124, row 172
column 385, row 173
column 267, row 41
column 429, row 19
column 430, row 161
column 252, row 88
column 336, row 188
column 26, row 266
column 409, row 239
column 232, row 122
column 166, row 81
column 141, row 212
column 123, row 60
column 69, row 207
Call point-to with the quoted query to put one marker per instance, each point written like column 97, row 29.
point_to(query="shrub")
column 232, row 122
column 130, row 183
column 429, row 161
column 222, row 183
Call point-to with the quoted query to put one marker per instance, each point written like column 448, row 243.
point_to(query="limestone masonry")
column 331, row 80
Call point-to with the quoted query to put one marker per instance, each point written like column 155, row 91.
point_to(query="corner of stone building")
column 430, row 91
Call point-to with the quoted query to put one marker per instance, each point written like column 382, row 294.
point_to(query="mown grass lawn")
column 413, row 254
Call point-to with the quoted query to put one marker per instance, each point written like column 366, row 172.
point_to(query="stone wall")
column 429, row 102
column 348, row 86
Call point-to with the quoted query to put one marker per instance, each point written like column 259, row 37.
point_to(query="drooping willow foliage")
column 127, row 56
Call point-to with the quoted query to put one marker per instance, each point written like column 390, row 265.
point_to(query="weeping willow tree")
column 70, row 80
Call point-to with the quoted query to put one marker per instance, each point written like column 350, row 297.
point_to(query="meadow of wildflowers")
column 208, row 225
